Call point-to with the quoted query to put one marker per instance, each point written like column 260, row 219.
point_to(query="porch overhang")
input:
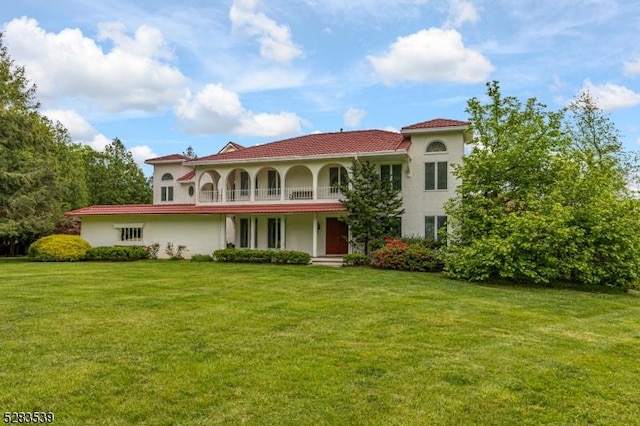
column 192, row 209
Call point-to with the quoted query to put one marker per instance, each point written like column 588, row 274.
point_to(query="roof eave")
column 406, row 131
column 298, row 157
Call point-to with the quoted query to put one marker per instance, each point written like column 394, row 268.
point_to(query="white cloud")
column 269, row 79
column 611, row 96
column 353, row 117
column 432, row 55
column 80, row 130
column 632, row 68
column 461, row 12
column 275, row 40
column 133, row 75
column 141, row 153
column 216, row 109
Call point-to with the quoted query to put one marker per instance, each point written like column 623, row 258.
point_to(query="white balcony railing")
column 213, row 196
column 238, row 195
column 329, row 193
column 302, row 193
column 271, row 194
column 267, row 194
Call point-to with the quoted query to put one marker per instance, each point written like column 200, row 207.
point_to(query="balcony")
column 267, row 194
column 329, row 193
column 238, row 195
column 272, row 194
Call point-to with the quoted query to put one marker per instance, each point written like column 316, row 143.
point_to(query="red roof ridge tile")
column 436, row 123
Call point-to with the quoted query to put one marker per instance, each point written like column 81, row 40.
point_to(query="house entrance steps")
column 329, row 260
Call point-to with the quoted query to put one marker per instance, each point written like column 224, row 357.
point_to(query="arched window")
column 436, row 146
column 167, row 176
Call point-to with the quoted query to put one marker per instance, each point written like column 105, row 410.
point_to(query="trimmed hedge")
column 355, row 259
column 262, row 256
column 202, row 258
column 117, row 253
column 59, row 248
column 407, row 257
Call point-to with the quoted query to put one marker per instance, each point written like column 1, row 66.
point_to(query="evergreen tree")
column 374, row 207
column 30, row 198
column 114, row 177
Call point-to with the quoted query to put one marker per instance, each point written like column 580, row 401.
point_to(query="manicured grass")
column 204, row 343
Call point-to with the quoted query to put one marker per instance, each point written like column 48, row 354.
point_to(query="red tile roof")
column 355, row 142
column 155, row 209
column 436, row 123
column 176, row 158
column 188, row 176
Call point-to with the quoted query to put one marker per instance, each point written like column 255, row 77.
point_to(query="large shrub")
column 355, row 259
column 397, row 254
column 117, row 253
column 262, row 256
column 59, row 248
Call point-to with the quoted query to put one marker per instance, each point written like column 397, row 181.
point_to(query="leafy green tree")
column 543, row 196
column 374, row 207
column 113, row 176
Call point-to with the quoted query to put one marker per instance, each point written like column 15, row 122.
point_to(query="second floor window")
column 392, row 173
column 166, row 193
column 337, row 176
column 273, row 182
column 244, row 183
column 435, row 175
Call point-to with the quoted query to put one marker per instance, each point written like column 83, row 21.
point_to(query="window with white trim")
column 437, row 146
column 131, row 232
column 434, row 226
column 166, row 192
column 392, row 173
column 273, row 233
column 435, row 175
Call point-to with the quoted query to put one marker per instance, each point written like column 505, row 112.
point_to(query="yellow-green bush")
column 59, row 248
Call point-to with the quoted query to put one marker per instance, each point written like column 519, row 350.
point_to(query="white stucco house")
column 283, row 194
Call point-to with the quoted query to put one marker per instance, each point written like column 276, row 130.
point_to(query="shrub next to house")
column 397, row 254
column 117, row 253
column 355, row 259
column 59, row 248
column 262, row 256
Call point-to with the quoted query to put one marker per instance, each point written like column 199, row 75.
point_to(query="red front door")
column 337, row 235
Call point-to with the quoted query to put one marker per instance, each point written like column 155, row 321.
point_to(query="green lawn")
column 202, row 343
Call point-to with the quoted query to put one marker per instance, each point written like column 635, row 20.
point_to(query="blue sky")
column 162, row 75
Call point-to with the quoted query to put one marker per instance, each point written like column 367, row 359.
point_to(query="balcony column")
column 315, row 235
column 314, row 183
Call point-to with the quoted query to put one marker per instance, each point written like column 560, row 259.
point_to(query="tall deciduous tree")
column 543, row 196
column 114, row 177
column 374, row 206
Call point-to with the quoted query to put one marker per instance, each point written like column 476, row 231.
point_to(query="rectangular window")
column 435, row 175
column 244, row 233
column 337, row 176
column 244, row 183
column 392, row 173
column 434, row 226
column 166, row 193
column 273, row 233
column 130, row 234
column 273, row 182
